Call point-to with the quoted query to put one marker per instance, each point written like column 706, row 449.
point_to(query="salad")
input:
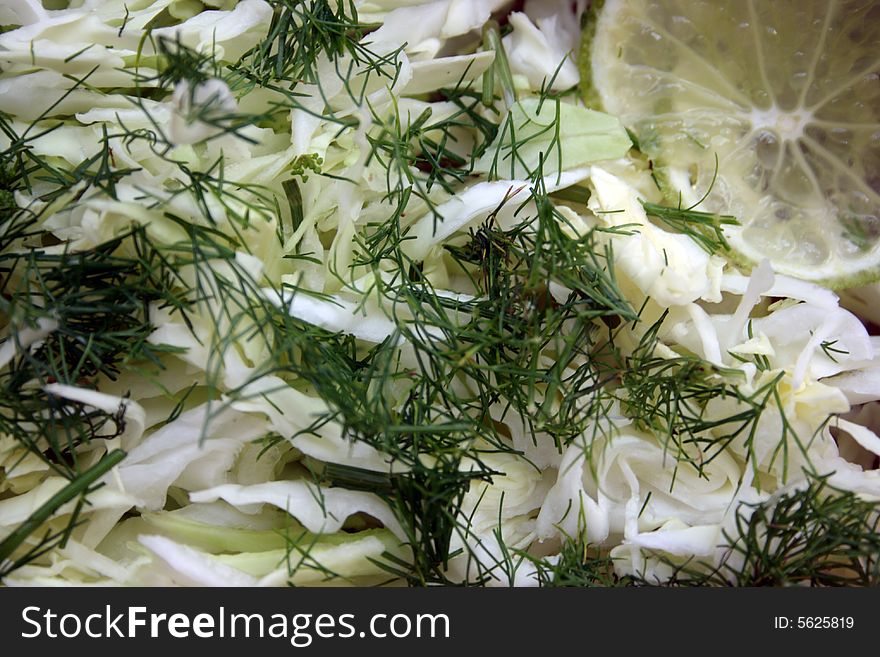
column 438, row 292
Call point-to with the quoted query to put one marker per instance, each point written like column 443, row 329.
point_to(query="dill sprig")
column 705, row 228
column 815, row 535
column 80, row 487
column 580, row 566
column 301, row 32
column 668, row 397
column 513, row 346
column 98, row 305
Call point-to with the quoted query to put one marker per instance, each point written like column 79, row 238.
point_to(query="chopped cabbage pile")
column 360, row 293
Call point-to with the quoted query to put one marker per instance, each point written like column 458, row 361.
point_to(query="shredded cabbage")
column 400, row 301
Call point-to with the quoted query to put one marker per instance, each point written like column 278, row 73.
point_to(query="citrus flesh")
column 769, row 110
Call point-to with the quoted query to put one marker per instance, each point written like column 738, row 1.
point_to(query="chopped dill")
column 815, row 535
column 545, row 337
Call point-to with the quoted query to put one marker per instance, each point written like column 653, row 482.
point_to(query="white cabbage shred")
column 225, row 454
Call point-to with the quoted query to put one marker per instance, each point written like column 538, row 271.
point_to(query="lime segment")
column 784, row 96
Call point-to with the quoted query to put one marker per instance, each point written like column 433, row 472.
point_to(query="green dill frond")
column 814, row 535
column 705, row 228
column 300, row 33
column 578, row 565
column 79, row 487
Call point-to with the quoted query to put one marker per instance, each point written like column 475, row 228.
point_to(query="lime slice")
column 783, row 95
